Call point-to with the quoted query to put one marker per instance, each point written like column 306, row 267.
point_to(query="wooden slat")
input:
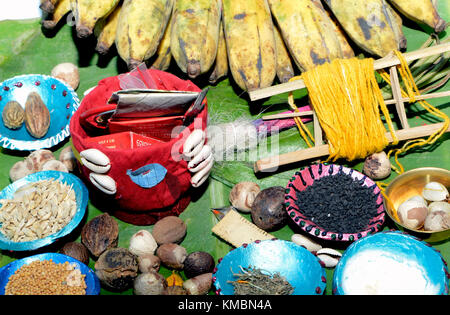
column 397, row 93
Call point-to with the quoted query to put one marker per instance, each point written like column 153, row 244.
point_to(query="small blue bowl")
column 91, row 280
column 60, row 99
column 300, row 267
column 81, row 195
column 382, row 261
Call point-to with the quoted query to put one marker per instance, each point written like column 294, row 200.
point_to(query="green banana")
column 221, row 65
column 367, row 23
column 250, row 42
column 195, row 35
column 140, row 28
column 61, row 9
column 88, row 12
column 421, row 11
column 285, row 70
column 163, row 54
column 307, row 30
column 107, row 34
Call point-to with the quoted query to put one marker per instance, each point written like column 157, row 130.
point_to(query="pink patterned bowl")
column 306, row 177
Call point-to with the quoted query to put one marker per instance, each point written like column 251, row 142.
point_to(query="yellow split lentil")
column 46, row 278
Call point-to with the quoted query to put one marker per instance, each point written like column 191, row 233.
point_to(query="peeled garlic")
column 412, row 214
column 434, row 191
column 142, row 243
column 437, row 220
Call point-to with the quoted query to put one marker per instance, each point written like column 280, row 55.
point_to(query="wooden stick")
column 397, row 93
column 271, row 164
column 385, row 62
column 387, row 102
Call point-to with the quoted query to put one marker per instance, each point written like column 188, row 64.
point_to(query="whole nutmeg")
column 197, row 263
column 116, row 268
column 67, row 157
column 150, row 283
column 172, row 255
column 142, row 242
column 76, row 250
column 198, row 285
column 377, row 165
column 99, row 234
column 243, row 194
column 13, row 115
column 67, row 72
column 149, row 262
column 170, row 229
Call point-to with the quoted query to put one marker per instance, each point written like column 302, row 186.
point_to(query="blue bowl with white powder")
column 390, row 263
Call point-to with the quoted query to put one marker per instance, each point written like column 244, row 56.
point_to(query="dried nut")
column 104, row 183
column 437, row 221
column 172, row 255
column 149, row 262
column 99, row 234
column 142, row 243
column 55, row 165
column 37, row 116
column 95, row 160
column 305, row 242
column 38, row 158
column 434, row 191
column 170, row 229
column 377, row 166
column 67, row 72
column 76, row 250
column 150, row 283
column 13, row 115
column 198, row 285
column 197, row 263
column 116, row 268
column 329, row 257
column 243, row 194
column 175, row 290
column 412, row 214
column 68, row 158
column 268, row 210
column 20, row 169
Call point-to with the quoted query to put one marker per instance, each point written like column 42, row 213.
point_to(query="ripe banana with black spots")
column 367, row 23
column 61, row 9
column 140, row 28
column 397, row 26
column 422, row 11
column 308, row 32
column 48, row 6
column 221, row 65
column 250, row 42
column 163, row 54
column 285, row 70
column 107, row 34
column 88, row 12
column 195, row 34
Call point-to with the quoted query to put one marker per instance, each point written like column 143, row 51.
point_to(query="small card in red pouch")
column 124, row 140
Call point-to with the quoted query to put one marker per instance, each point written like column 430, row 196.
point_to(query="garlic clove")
column 412, row 214
column 434, row 191
column 439, row 206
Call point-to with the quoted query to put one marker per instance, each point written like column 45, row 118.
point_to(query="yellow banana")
column 195, row 35
column 346, row 48
column 308, row 32
column 367, row 23
column 163, row 54
column 107, row 35
column 61, row 9
column 422, row 11
column 221, row 65
column 397, row 26
column 250, row 42
column 285, row 70
column 140, row 28
column 48, row 6
column 88, row 12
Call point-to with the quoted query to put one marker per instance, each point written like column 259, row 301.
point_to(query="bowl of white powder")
column 390, row 263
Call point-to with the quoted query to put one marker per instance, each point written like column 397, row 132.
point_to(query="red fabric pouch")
column 132, row 202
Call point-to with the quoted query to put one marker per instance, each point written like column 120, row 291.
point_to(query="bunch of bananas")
column 255, row 40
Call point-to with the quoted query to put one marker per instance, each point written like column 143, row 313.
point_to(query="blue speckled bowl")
column 60, row 99
column 300, row 268
column 400, row 250
column 91, row 280
column 81, row 195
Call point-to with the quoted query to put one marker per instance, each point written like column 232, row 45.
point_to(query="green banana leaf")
column 25, row 48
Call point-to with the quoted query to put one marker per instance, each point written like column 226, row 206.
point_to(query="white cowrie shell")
column 330, row 257
column 202, row 164
column 200, row 177
column 201, row 156
column 94, row 167
column 95, row 156
column 103, row 182
column 194, row 143
column 305, row 242
column 89, row 90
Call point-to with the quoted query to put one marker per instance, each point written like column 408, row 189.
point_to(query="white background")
column 19, row 9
